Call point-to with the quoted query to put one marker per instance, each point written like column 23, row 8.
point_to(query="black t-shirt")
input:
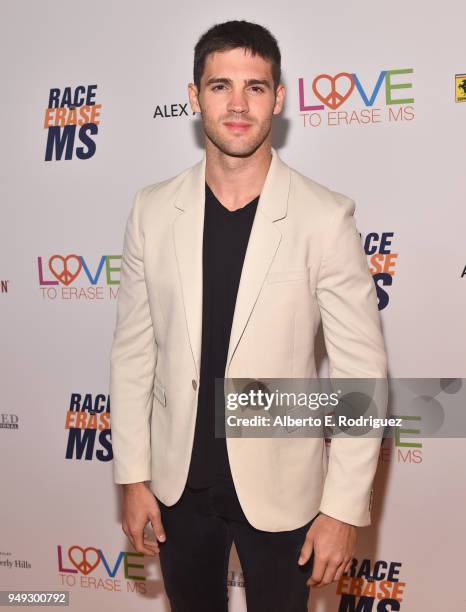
column 226, row 236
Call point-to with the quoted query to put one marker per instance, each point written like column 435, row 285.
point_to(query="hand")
column 334, row 544
column 139, row 507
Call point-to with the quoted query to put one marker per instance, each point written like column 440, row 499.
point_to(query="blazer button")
column 194, row 384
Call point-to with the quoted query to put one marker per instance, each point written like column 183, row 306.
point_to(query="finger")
column 154, row 550
column 152, row 544
column 139, row 543
column 340, row 570
column 157, row 526
column 129, row 535
column 318, row 571
column 150, row 540
column 329, row 575
column 131, row 539
column 306, row 550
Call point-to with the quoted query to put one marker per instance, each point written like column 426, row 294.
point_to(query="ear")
column 193, row 98
column 279, row 99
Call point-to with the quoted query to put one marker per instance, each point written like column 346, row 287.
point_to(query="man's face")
column 237, row 101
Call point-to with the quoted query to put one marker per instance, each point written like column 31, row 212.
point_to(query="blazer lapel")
column 188, row 230
column 262, row 246
column 263, row 243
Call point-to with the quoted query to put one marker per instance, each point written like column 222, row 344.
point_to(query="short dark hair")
column 231, row 35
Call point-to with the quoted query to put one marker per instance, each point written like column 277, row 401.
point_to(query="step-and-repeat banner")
column 95, row 106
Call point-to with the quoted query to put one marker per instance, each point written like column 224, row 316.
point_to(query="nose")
column 237, row 102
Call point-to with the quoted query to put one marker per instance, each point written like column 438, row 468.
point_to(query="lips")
column 237, row 126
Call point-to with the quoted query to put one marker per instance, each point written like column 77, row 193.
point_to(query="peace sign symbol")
column 63, row 272
column 333, row 99
column 82, row 564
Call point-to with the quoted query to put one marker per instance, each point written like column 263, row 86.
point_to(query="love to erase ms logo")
column 347, row 99
column 368, row 587
column 73, row 277
column 88, row 567
column 88, row 424
column 72, row 120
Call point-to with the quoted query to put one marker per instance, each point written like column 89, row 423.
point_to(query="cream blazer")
column 304, row 264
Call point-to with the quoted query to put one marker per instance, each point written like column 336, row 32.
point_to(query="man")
column 227, row 270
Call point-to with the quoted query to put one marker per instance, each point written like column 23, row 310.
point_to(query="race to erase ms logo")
column 371, row 587
column 74, row 277
column 345, row 98
column 72, row 120
column 89, row 567
column 382, row 263
column 88, row 424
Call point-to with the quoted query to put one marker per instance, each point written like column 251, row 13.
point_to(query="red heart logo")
column 83, row 565
column 334, row 98
column 63, row 273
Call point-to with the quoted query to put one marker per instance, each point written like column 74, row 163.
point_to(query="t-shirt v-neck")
column 212, row 200
column 225, row 240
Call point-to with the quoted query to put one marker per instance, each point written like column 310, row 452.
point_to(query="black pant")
column 194, row 558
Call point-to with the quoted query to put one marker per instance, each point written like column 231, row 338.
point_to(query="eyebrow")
column 226, row 81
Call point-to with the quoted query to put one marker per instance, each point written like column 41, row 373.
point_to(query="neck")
column 236, row 181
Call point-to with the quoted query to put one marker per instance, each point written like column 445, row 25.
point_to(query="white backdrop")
column 403, row 164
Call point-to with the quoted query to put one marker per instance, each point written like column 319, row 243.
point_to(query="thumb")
column 157, row 526
column 306, row 549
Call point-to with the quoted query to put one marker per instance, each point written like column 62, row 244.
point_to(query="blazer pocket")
column 159, row 392
column 287, row 275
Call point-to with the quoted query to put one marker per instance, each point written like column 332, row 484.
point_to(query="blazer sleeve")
column 132, row 361
column 353, row 337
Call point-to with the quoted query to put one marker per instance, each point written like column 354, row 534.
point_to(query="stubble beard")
column 242, row 147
